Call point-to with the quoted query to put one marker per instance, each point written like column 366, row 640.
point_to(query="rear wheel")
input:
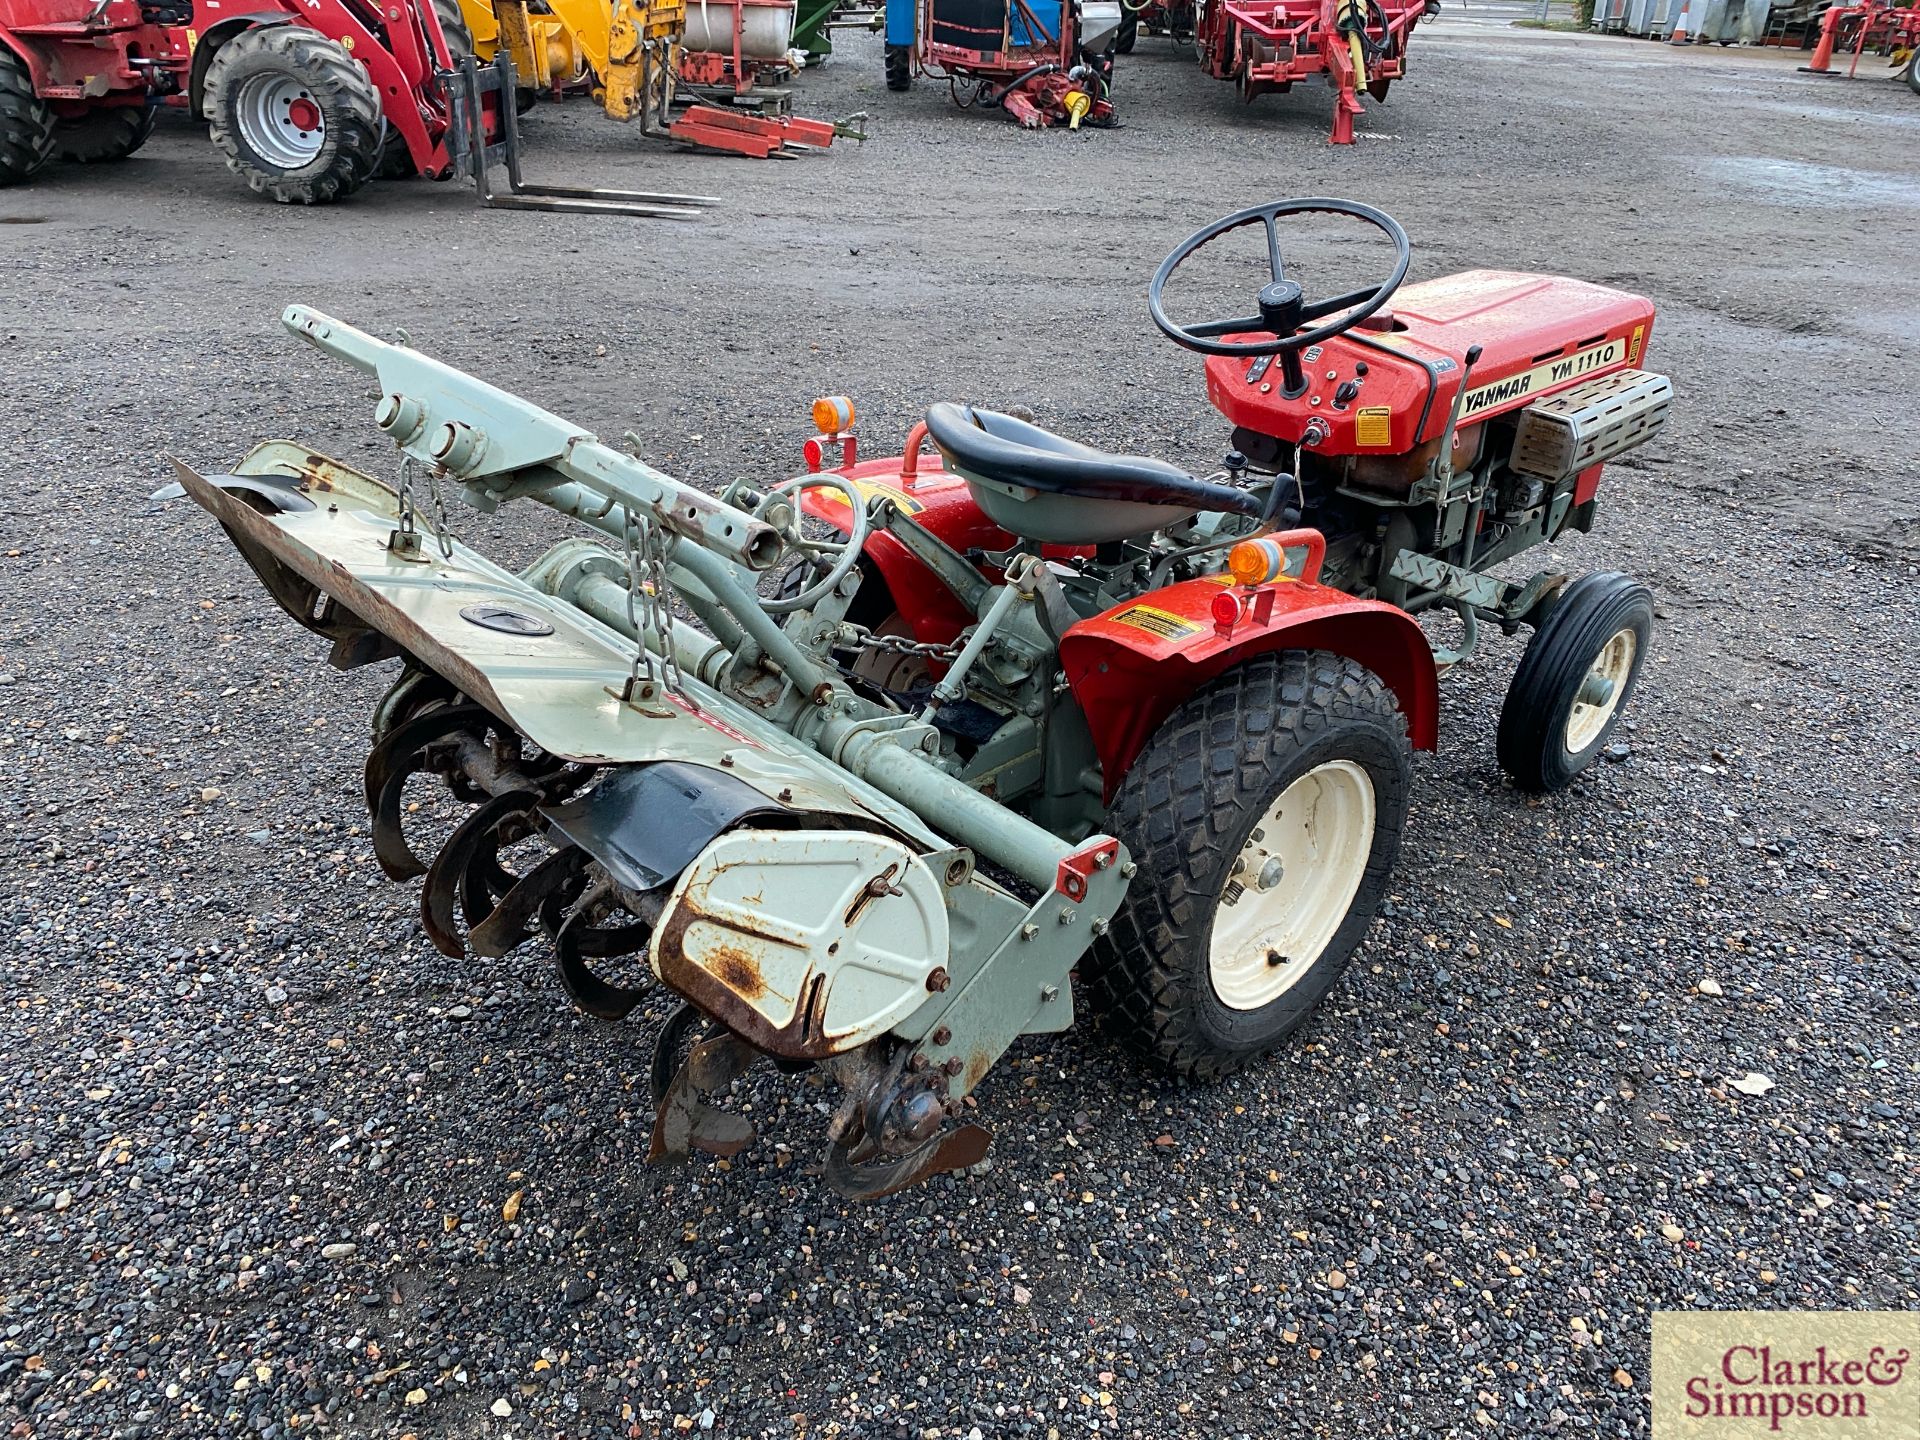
column 899, row 67
column 1129, row 31
column 26, row 124
column 102, row 134
column 453, row 25
column 1574, row 682
column 294, row 116
column 1264, row 815
column 1913, row 70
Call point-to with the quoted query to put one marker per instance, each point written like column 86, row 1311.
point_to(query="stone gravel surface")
column 270, row 1166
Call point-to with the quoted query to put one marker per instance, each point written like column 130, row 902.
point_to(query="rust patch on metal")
column 977, row 1066
column 739, row 971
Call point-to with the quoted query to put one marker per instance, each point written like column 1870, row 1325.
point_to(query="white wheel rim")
column 1293, row 885
column 1598, row 697
column 281, row 121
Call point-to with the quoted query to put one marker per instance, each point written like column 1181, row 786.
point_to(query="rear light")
column 1226, row 611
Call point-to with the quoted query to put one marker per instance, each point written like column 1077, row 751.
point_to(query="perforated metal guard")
column 1563, row 434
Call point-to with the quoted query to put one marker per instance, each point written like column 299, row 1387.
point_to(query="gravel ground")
column 270, row 1165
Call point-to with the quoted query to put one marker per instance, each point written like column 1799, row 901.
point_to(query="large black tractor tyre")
column 1264, row 814
column 1575, row 680
column 453, row 24
column 26, row 124
column 1128, row 34
column 293, row 115
column 102, row 135
column 1913, row 70
column 899, row 67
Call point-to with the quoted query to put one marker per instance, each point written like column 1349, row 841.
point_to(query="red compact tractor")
column 1265, row 46
column 955, row 752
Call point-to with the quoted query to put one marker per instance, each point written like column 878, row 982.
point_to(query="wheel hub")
column 1293, row 884
column 1598, row 697
column 281, row 121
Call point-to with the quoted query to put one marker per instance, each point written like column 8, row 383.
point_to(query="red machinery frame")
column 1880, row 25
column 74, row 51
column 1038, row 84
column 1265, row 46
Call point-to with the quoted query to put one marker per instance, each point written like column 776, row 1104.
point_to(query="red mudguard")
column 1131, row 666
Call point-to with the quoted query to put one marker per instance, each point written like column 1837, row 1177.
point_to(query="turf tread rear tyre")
column 102, row 135
column 1184, row 812
column 347, row 98
column 26, row 124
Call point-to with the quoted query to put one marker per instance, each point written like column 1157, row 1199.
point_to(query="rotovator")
column 885, row 765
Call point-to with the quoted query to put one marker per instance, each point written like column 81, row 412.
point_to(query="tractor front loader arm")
column 788, row 857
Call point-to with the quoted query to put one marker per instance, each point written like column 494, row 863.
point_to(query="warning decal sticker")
column 1163, row 623
column 1373, row 425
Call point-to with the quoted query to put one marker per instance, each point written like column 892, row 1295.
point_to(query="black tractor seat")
column 1044, row 487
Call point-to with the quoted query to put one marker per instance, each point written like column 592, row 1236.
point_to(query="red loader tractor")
column 307, row 102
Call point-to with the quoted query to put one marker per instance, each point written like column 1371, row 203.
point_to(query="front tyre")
column 295, row 117
column 1129, row 32
column 1573, row 683
column 1264, row 815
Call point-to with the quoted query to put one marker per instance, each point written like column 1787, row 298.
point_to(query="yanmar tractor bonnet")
column 881, row 767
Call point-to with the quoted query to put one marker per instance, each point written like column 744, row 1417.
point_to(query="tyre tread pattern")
column 102, row 135
column 1186, row 798
column 26, row 124
column 1532, row 718
column 354, row 119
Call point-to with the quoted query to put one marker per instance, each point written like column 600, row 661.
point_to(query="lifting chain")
column 865, row 639
column 648, row 609
column 406, row 539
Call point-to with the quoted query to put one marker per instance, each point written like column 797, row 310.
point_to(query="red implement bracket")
column 759, row 136
column 1077, row 869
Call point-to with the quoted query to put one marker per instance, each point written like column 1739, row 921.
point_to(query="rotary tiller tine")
column 683, row 1122
column 456, row 860
column 871, row 1178
column 513, row 918
column 592, row 994
column 401, row 754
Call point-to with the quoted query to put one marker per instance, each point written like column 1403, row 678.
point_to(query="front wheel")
column 1264, row 815
column 1913, row 70
column 295, row 116
column 1574, row 682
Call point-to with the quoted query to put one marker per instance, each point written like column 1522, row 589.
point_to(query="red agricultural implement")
column 1043, row 61
column 307, row 100
column 1266, row 46
column 1856, row 30
column 1172, row 18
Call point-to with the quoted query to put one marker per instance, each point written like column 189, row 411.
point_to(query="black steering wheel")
column 1284, row 307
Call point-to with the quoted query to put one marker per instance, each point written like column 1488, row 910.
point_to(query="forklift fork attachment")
column 467, row 143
